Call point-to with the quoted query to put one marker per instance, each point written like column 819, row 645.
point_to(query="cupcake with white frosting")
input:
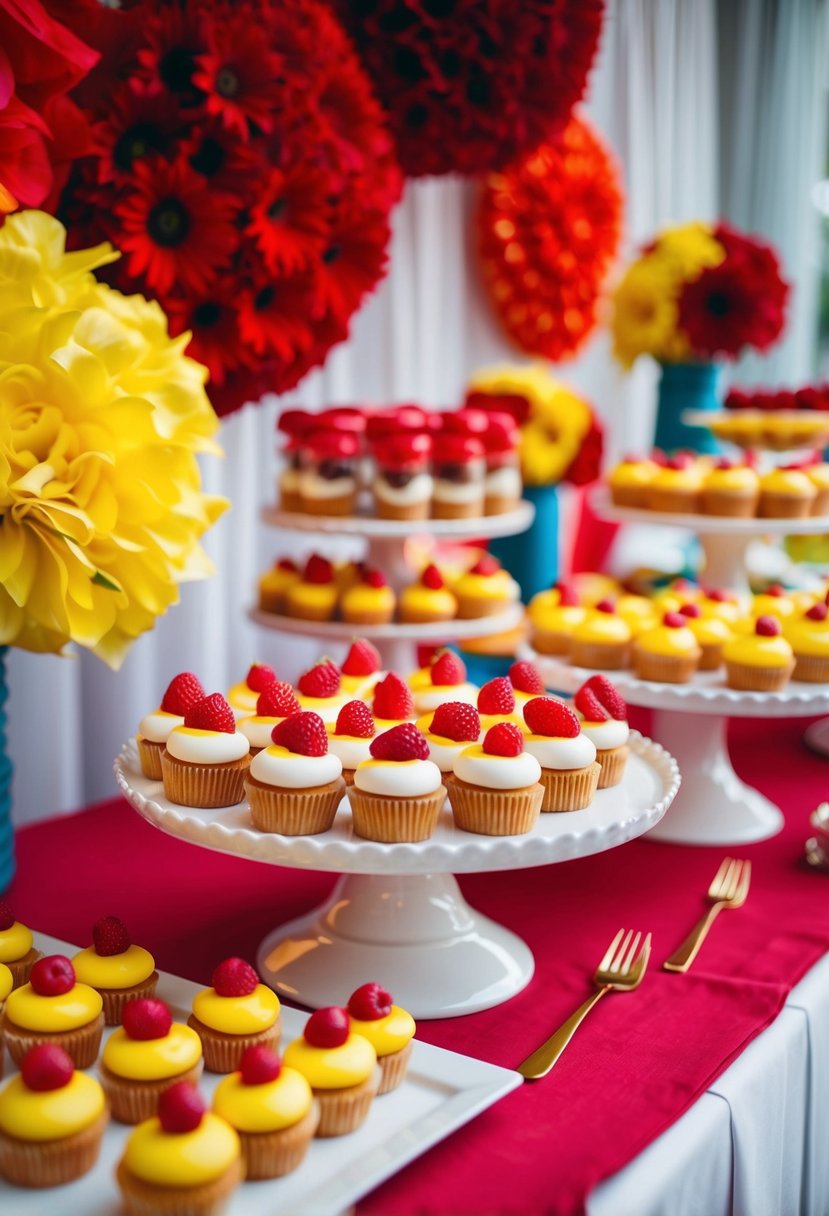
column 398, row 792
column 242, row 697
column 295, row 786
column 205, row 760
column 496, row 788
column 183, row 691
column 274, row 705
column 447, row 682
column 604, row 721
column 569, row 770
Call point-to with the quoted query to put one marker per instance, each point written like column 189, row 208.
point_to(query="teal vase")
column 685, row 386
column 6, row 833
column 533, row 557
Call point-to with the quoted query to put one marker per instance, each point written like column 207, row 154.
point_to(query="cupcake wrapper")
column 629, row 496
column 82, row 1044
column 393, row 1069
column 348, row 776
column 612, row 761
column 223, row 1052
column 711, row 656
column 407, row 617
column 737, row 506
column 294, row 812
column 343, row 1110
column 311, row 612
column 388, row 510
column 663, row 668
column 381, row 617
column 344, row 505
column 143, row 1199
column 289, row 501
column 495, row 812
column 203, row 785
column 811, row 668
column 551, row 643
column 41, row 1163
column 270, row 601
column 500, row 506
column 747, row 678
column 605, row 656
column 821, row 504
column 457, row 510
column 674, row 502
column 784, row 506
column 116, row 998
column 149, row 756
column 133, row 1101
column 21, row 968
column 274, row 1154
column 393, row 820
column 470, row 609
column 570, row 789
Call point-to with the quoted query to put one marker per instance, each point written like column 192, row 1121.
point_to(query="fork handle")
column 682, row 957
column 544, row 1057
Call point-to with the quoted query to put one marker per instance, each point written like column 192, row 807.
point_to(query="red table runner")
column 639, row 1061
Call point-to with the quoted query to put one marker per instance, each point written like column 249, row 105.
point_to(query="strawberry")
column 110, row 936
column 355, row 719
column 46, row 1066
column 567, row 597
column 392, row 698
column 486, row 566
column 211, row 713
column 183, row 691
column 690, row 611
column 545, row 716
column 496, row 697
column 369, row 1003
column 432, row 578
column 181, row 1108
column 503, row 739
column 403, row 742
column 146, row 1018
column 321, row 680
column 259, row 1065
column 303, row 734
column 427, row 653
column 234, row 977
column 278, row 700
column 448, row 668
column 767, row 627
column 817, row 612
column 457, row 721
column 374, row 578
column 524, row 677
column 605, row 700
column 606, row 606
column 6, row 915
column 329, row 1027
column 674, row 620
column 52, row 975
column 288, row 565
column 318, row 570
column 259, row 677
column 717, row 596
column 363, row 659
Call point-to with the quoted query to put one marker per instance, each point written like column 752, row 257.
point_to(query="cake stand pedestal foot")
column 415, row 934
column 816, row 737
column 713, row 805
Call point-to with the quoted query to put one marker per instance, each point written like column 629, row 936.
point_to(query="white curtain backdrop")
column 655, row 95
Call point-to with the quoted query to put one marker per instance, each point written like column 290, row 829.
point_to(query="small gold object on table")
column 728, row 889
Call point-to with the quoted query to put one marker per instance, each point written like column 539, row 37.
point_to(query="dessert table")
column 697, row 1093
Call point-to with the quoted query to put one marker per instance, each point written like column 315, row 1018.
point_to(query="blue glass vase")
column 533, row 557
column 685, row 386
column 6, row 833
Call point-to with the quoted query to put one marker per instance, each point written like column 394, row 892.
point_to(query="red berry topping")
column 321, row 680
column 260, row 676
column 432, row 578
column 318, row 570
column 426, row 653
column 278, row 700
column 496, row 697
column 181, row 1109
column 355, row 719
column 818, row 612
column 524, row 677
column 486, row 565
column 674, row 620
column 46, row 1067
column 767, row 627
column 6, row 915
column 259, row 1065
column 567, row 597
column 211, row 713
column 327, row 1027
column 374, row 578
column 393, row 698
column 598, row 699
column 403, row 742
column 503, row 739
column 52, row 975
column 725, row 463
column 302, row 733
column 110, row 936
column 146, row 1018
column 717, row 596
column 369, row 1003
column 363, row 659
column 288, row 565
column 690, row 611
column 545, row 716
column 234, row 977
column 775, row 591
column 183, row 691
column 606, row 606
column 457, row 721
column 448, row 668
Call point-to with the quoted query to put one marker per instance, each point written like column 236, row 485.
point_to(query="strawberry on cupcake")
column 295, row 785
column 361, row 668
column 389, row 1028
column 320, row 689
column 495, row 787
column 117, row 969
column 183, row 691
column 526, row 682
column 205, row 761
column 447, row 682
column 392, row 702
column 569, row 770
column 398, row 792
column 243, row 696
column 604, row 721
column 351, row 735
column 277, row 702
column 452, row 727
column 237, row 1012
column 341, row 1068
column 496, row 703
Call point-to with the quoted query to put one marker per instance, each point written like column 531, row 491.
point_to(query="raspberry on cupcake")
column 669, row 653
column 16, row 948
column 449, row 730
column 205, row 760
column 243, row 696
column 115, row 968
column 341, row 1068
column 350, row 736
column 53, row 1008
column 398, row 793
column 495, row 787
column 314, row 596
column 182, row 693
column 237, row 1012
column 604, row 721
column 526, row 682
column 427, row 599
column 447, row 682
column 277, row 702
column 320, row 690
column 295, row 786
column 762, row 661
column 361, row 668
column 569, row 770
column 388, row 1028
column 392, row 702
column 148, row 1054
column 496, row 703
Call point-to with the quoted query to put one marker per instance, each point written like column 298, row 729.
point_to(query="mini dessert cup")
column 236, row 1013
column 222, row 1051
column 458, row 469
column 144, row 1058
column 275, row 1154
column 110, row 962
column 329, row 481
column 46, row 1163
column 759, row 662
column 53, row 998
column 340, row 1067
column 294, row 425
column 141, row 1198
column 503, row 484
column 344, row 1110
column 402, row 484
column 82, row 1044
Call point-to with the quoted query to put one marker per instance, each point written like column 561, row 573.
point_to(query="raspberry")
column 302, row 733
column 318, row 570
column 427, row 652
column 432, row 578
column 403, row 742
column 817, row 612
column 355, row 719
column 604, row 694
column 260, row 676
column 374, row 578
column 321, row 680
column 52, row 975
column 674, row 620
column 690, row 611
column 393, row 698
column 110, row 936
column 503, row 739
column 486, row 565
column 211, row 713
column 6, row 915
column 496, row 697
column 767, row 627
column 327, row 1027
column 458, row 721
column 525, row 678
column 544, row 716
column 448, row 668
column 146, row 1018
column 259, row 1065
column 46, row 1067
column 606, row 606
column 369, row 1003
column 234, row 977
column 278, row 700
column 183, row 691
column 363, row 659
column 181, row 1108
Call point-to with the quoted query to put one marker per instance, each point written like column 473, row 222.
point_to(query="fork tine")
column 736, row 878
column 611, row 950
column 717, row 880
column 745, row 880
column 645, row 953
column 620, row 953
column 728, row 880
column 629, row 957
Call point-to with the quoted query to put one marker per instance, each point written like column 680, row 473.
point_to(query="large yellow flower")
column 101, row 419
column 645, row 314
column 687, row 249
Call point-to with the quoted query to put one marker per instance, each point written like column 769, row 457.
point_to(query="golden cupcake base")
column 344, row 1110
column 472, row 609
column 811, row 668
column 203, row 785
column 494, row 812
column 82, row 1044
column 149, row 757
column 141, row 1198
column 223, row 1052
column 569, row 789
column 21, row 968
column 736, row 505
column 500, row 505
column 394, row 1068
column 457, row 510
column 601, row 656
column 612, row 761
column 664, row 668
column 784, row 506
column 42, row 1163
column 293, row 812
column 346, row 504
column 116, row 998
column 414, row 511
column 274, row 1154
column 395, row 820
column 747, row 678
column 133, row 1101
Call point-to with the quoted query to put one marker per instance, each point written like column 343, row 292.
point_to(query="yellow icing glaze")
column 818, row 474
column 422, row 678
column 757, row 651
column 666, row 641
column 278, row 579
column 242, row 694
column 772, row 605
column 728, row 611
column 6, row 981
column 51, row 1114
column 237, row 1014
column 388, row 1034
column 363, row 598
column 709, row 630
column 15, row 942
column 312, row 595
column 787, row 481
column 633, row 473
column 559, row 620
column 53, row 1014
column 263, row 1108
column 484, row 586
column 184, row 1159
column 808, row 637
column 638, row 611
column 602, row 627
column 678, row 479
column 418, row 598
column 152, row 1059
column 332, row 1067
column 316, row 703
column 113, row 970
column 740, row 478
column 196, row 731
column 354, row 686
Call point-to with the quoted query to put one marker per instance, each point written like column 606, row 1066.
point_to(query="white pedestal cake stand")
column 397, row 914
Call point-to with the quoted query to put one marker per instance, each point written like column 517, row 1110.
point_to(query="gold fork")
column 728, row 889
column 621, row 969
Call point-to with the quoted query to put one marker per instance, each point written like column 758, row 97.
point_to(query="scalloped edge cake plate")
column 506, row 524
column 706, row 525
column 395, row 631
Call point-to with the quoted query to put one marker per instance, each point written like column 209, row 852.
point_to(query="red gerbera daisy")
column 353, row 260
column 230, row 166
column 239, row 75
column 289, row 223
column 173, row 229
column 276, row 318
column 344, row 104
column 174, row 36
column 213, row 321
column 138, row 122
column 722, row 311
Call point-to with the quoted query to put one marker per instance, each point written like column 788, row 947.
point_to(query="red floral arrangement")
column 242, row 165
column 548, row 230
column 470, row 84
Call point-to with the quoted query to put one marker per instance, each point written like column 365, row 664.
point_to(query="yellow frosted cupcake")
column 427, row 599
column 341, row 1068
column 237, row 1012
column 786, row 493
column 808, row 636
column 53, row 1008
column 16, row 946
column 388, row 1028
column 369, row 601
column 314, row 596
column 669, row 654
column 675, row 488
column 818, row 474
column 730, row 489
column 553, row 615
column 711, row 634
column 601, row 640
column 630, row 480
column 147, row 1055
column 116, row 968
column 485, row 589
column 275, row 583
column 762, row 661
column 773, row 602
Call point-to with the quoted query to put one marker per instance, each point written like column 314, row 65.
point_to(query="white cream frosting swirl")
column 327, row 707
column 476, row 767
column 257, row 730
column 206, row 746
column 434, row 695
column 398, row 778
column 291, row 771
column 351, row 750
column 419, row 489
column 606, row 735
column 504, row 482
column 156, row 727
column 555, row 752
